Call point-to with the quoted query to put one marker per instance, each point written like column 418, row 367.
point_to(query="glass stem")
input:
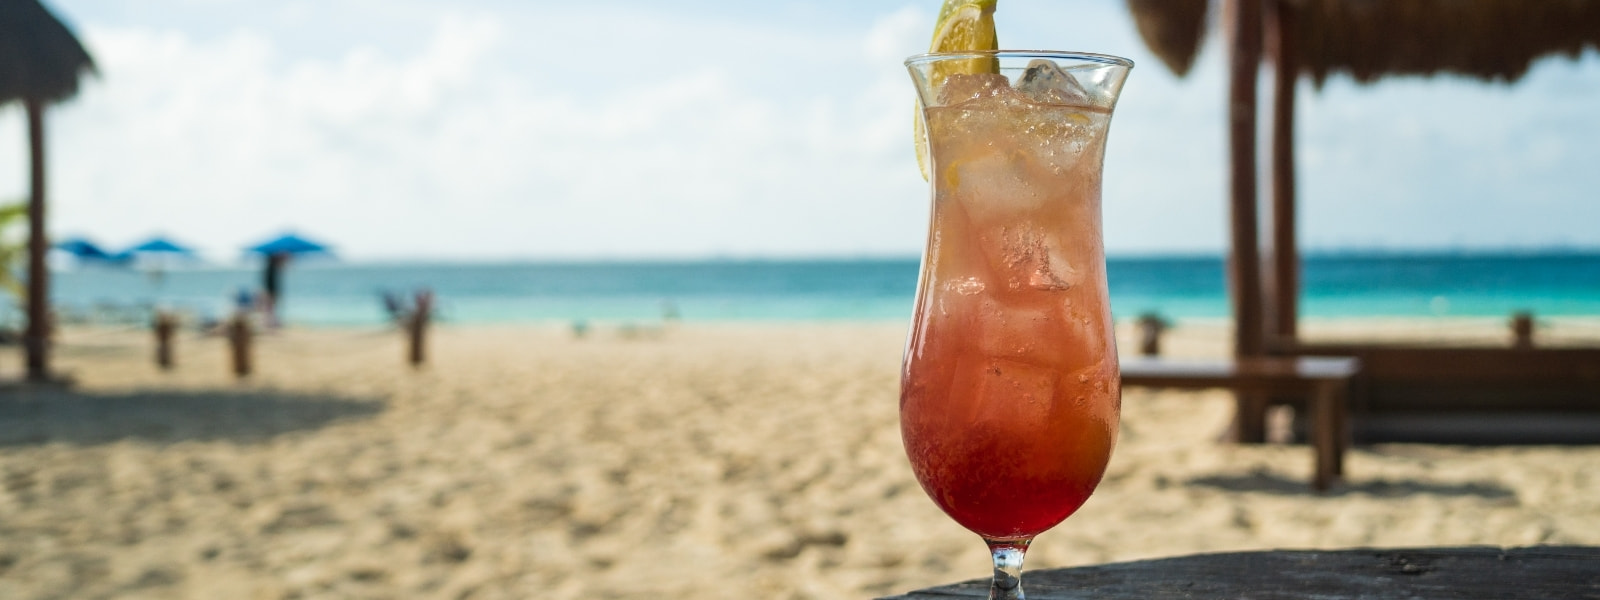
column 1007, row 568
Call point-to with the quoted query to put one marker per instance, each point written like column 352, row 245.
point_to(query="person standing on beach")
column 271, row 285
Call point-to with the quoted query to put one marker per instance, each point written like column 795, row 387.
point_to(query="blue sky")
column 493, row 129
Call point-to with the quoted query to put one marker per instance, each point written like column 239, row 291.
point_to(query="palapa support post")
column 417, row 328
column 1522, row 330
column 239, row 337
column 1284, row 274
column 43, row 62
column 1242, row 20
column 36, row 338
column 164, row 325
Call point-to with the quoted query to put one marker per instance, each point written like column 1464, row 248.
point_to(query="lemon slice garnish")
column 962, row 25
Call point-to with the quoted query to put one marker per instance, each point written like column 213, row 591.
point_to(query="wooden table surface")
column 1458, row 573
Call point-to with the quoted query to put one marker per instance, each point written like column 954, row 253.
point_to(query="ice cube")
column 1018, row 330
column 1046, row 83
column 1005, row 391
column 1032, row 260
column 1040, row 329
column 964, row 87
column 992, row 185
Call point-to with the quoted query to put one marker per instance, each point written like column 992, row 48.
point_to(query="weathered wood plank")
column 1578, row 365
column 1398, row 378
column 1255, row 373
column 1459, row 573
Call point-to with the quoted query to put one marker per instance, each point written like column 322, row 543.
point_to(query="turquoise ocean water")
column 328, row 293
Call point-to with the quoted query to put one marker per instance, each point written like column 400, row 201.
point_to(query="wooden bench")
column 1325, row 381
column 1466, row 385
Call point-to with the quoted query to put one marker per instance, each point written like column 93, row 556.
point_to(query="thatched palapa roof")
column 40, row 63
column 1494, row 40
column 40, row 59
column 1172, row 29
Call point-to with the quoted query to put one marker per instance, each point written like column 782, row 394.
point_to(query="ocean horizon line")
column 1346, row 253
column 1131, row 255
column 1550, row 282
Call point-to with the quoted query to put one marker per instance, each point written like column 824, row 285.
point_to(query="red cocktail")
column 1010, row 397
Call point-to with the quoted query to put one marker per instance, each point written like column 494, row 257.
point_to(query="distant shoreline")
column 1489, row 285
column 1352, row 253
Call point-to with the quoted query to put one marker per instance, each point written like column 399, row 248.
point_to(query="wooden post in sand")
column 165, row 325
column 1522, row 330
column 1150, row 327
column 239, row 344
column 417, row 328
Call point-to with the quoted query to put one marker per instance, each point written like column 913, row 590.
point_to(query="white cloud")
column 457, row 150
column 603, row 129
column 897, row 35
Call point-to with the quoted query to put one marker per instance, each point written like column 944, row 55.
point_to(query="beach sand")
column 696, row 461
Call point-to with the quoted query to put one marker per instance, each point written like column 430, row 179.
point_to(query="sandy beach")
column 697, row 461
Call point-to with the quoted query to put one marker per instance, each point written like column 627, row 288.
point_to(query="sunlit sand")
column 700, row 461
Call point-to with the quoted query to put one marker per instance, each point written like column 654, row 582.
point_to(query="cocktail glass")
column 1010, row 397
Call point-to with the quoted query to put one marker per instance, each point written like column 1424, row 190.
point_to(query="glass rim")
column 1090, row 57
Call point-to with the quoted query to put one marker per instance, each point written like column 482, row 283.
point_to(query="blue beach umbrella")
column 278, row 252
column 159, row 246
column 156, row 254
column 84, row 250
column 289, row 244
